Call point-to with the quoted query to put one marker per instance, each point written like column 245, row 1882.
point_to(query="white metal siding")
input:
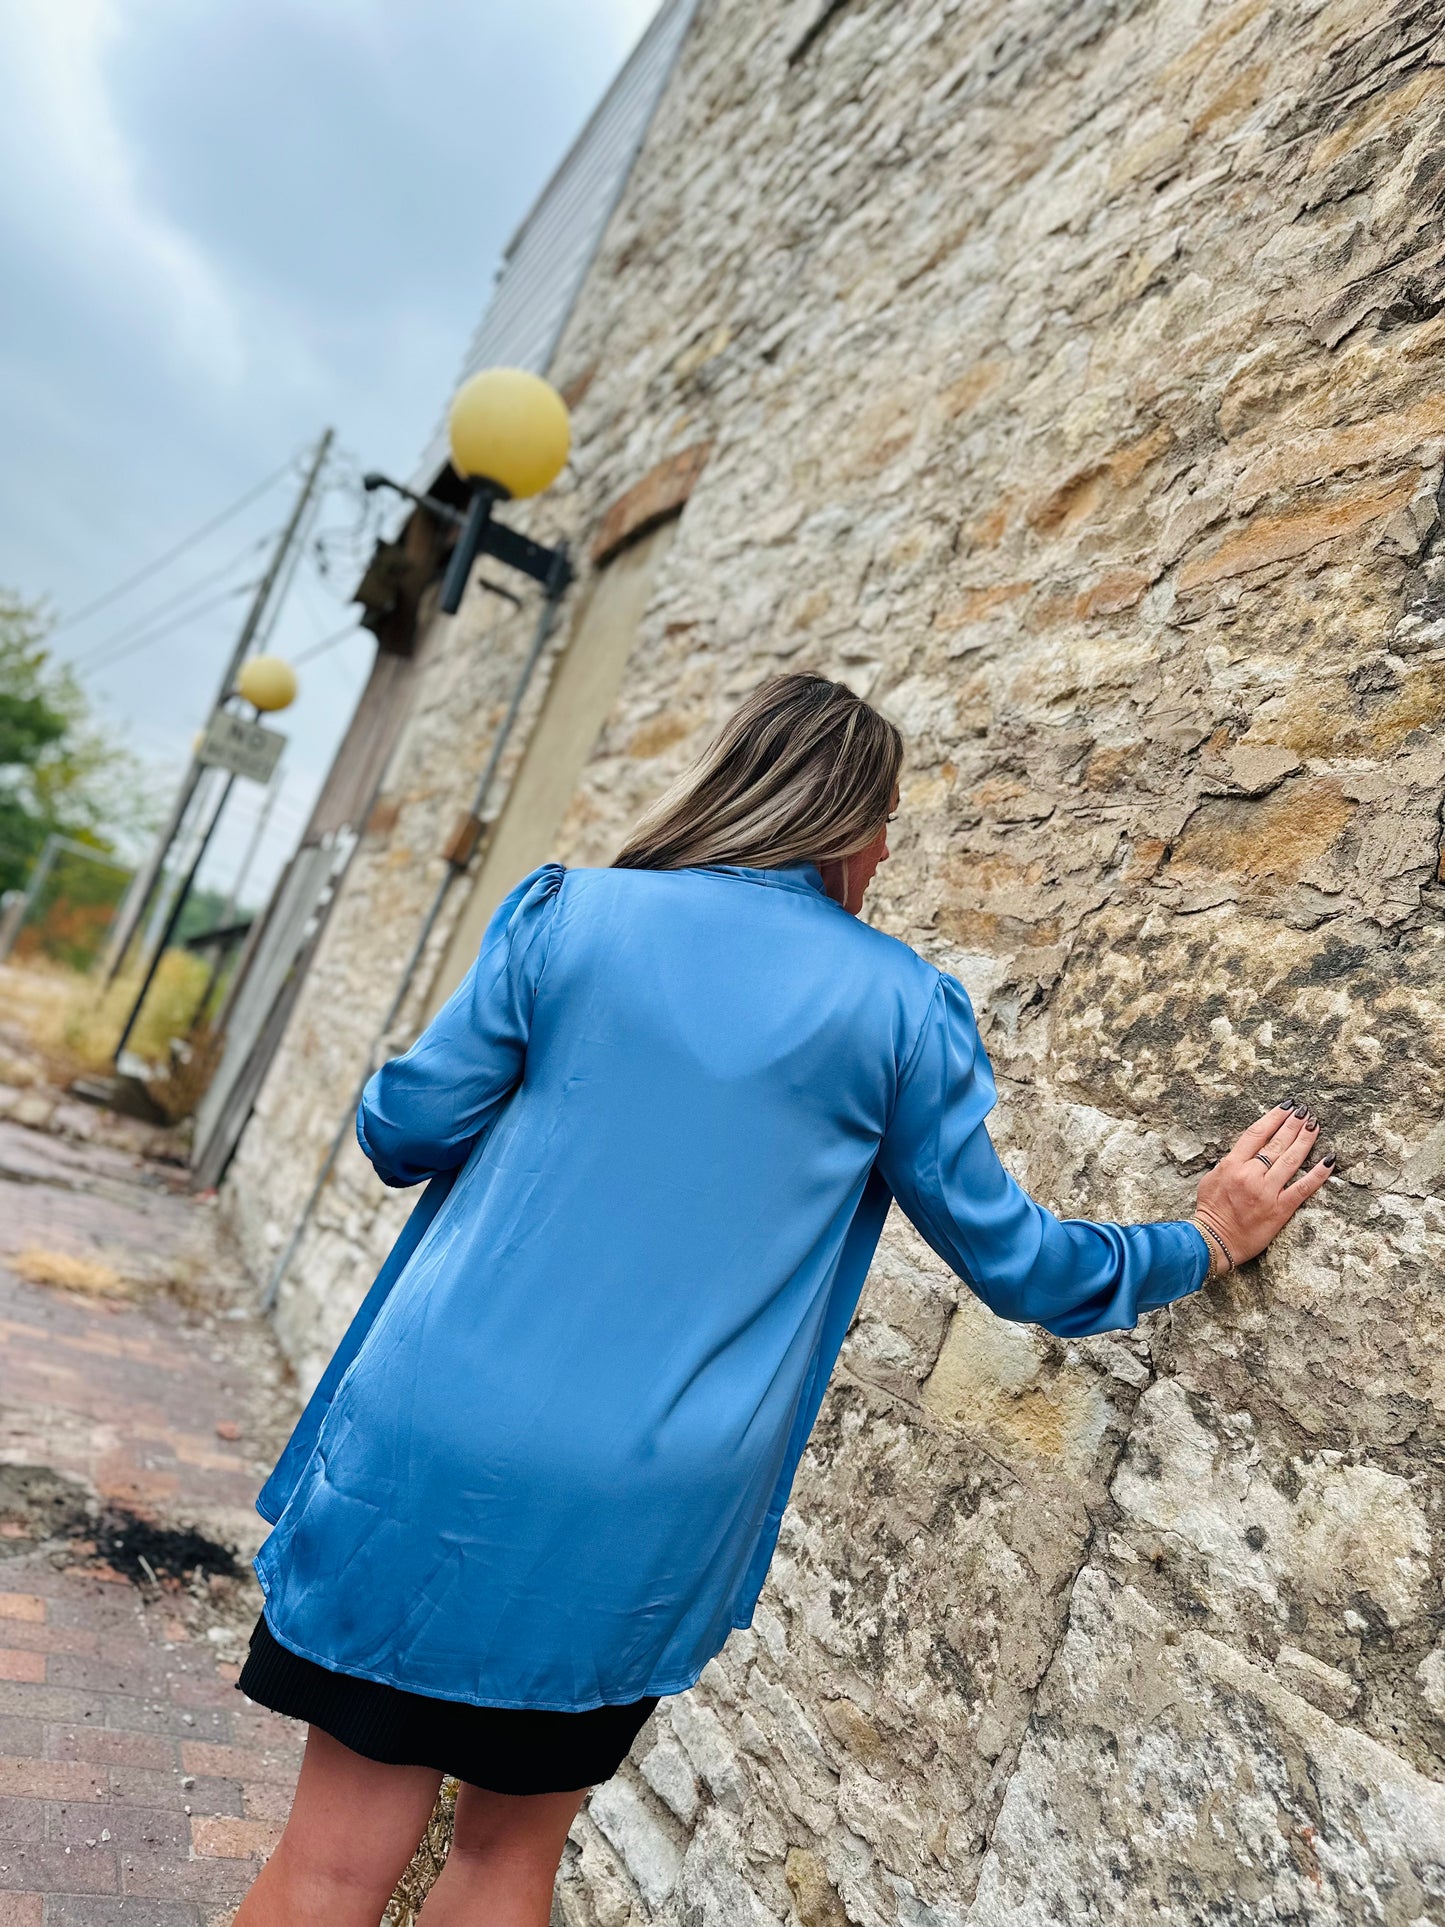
column 548, row 256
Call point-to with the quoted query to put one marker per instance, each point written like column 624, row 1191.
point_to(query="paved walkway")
column 141, row 1402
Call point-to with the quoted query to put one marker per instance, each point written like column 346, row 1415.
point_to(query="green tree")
column 59, row 771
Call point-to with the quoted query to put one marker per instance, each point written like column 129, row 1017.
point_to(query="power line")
column 164, row 561
column 180, row 621
column 320, row 622
column 164, row 609
column 103, row 654
column 352, row 543
column 328, row 637
column 329, row 642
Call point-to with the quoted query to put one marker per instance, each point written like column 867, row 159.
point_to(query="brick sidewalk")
column 136, row 1785
column 137, row 1416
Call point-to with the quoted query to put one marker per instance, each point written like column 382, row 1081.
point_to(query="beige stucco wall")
column 1076, row 382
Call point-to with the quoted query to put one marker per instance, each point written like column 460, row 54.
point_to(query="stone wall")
column 1073, row 373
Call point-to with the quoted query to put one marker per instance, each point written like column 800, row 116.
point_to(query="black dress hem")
column 500, row 1749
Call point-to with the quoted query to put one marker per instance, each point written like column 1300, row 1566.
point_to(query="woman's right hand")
column 1249, row 1196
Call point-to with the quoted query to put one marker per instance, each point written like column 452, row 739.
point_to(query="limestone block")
column 1253, row 769
column 1271, row 1010
column 902, row 1316
column 1166, row 1778
column 647, row 1850
column 666, row 1770
column 917, row 1634
column 717, row 1886
column 593, row 1890
column 30, row 1108
column 1328, row 1534
column 999, row 1381
column 1326, row 1687
column 1315, row 1327
column 1320, row 1562
column 1425, row 1165
column 706, row 1744
column 815, row 1898
column 1431, row 1675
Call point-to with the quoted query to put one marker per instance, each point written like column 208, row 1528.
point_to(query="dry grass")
column 36, row 999
column 68, row 1272
column 427, row 1862
column 182, row 1085
column 73, row 1024
column 94, row 1022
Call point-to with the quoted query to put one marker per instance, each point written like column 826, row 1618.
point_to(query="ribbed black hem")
column 502, row 1749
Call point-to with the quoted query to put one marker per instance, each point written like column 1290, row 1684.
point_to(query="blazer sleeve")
column 1069, row 1275
column 422, row 1112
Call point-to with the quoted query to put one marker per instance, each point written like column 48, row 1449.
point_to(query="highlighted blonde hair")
column 802, row 771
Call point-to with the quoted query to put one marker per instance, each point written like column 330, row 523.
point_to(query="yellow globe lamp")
column 510, row 428
column 267, row 683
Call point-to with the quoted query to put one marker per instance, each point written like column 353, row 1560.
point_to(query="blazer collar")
column 789, row 876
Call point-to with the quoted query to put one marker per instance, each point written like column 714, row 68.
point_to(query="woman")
column 663, row 1120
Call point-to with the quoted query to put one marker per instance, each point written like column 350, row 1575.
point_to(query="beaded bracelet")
column 1208, row 1232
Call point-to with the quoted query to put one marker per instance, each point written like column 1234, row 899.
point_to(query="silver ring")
column 1266, row 1162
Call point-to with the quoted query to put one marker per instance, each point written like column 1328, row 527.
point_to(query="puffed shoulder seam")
column 529, row 895
column 555, row 875
column 537, row 902
column 917, row 1045
column 541, row 886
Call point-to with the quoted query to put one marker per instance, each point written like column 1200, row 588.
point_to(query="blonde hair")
column 802, row 771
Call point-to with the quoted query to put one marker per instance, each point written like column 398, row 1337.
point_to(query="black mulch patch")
column 131, row 1544
column 38, row 1505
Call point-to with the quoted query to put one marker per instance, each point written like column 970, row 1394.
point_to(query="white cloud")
column 226, row 222
column 58, row 136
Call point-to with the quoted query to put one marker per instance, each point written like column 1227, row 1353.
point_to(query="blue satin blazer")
column 662, row 1120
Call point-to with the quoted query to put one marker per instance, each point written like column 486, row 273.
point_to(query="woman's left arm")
column 422, row 1112
column 1071, row 1276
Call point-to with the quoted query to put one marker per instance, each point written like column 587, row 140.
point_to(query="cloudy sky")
column 227, row 224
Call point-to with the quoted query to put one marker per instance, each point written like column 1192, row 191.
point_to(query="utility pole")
column 137, row 899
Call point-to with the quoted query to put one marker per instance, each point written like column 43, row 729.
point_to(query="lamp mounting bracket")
column 480, row 535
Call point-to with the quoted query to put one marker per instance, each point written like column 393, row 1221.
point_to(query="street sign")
column 247, row 749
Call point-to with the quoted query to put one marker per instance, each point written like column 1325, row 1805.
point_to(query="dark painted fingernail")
column 1330, row 1160
column 1301, row 1110
column 1285, row 1104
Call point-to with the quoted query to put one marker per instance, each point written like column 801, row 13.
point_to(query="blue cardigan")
column 663, row 1119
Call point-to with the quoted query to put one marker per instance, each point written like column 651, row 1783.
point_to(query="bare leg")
column 354, row 1825
column 502, row 1865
